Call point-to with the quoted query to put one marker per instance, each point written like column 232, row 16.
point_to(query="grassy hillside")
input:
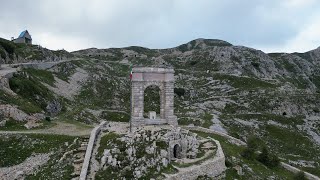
column 245, row 91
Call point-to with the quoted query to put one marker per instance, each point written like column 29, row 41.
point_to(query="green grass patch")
column 142, row 50
column 189, row 120
column 289, row 66
column 169, row 169
column 106, row 143
column 42, row 75
column 298, row 120
column 55, row 169
column 31, row 89
column 66, row 69
column 152, row 99
column 7, row 45
column 110, row 92
column 306, row 55
column 244, row 82
column 259, row 171
column 161, row 144
column 288, row 143
column 2, row 54
column 22, row 104
column 115, row 116
column 291, row 142
column 13, row 125
column 207, row 120
column 299, row 81
column 78, row 116
column 15, row 149
column 275, row 55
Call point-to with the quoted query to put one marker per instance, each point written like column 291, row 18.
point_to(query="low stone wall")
column 197, row 128
column 238, row 141
column 212, row 167
column 87, row 157
column 296, row 170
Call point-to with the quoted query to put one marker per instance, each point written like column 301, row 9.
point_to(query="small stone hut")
column 24, row 37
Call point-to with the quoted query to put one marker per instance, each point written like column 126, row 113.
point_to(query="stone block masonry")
column 141, row 79
column 205, row 130
column 87, row 157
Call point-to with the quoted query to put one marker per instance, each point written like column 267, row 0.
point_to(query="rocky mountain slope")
column 233, row 89
column 17, row 53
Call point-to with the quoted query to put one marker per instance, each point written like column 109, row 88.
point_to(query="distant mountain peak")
column 202, row 43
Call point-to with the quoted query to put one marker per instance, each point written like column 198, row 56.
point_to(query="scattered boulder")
column 54, row 107
column 32, row 124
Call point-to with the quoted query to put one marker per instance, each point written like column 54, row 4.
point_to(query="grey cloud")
column 156, row 24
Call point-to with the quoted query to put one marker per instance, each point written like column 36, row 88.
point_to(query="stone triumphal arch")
column 143, row 77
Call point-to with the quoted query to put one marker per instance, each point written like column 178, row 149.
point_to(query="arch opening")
column 152, row 102
column 161, row 102
column 177, row 151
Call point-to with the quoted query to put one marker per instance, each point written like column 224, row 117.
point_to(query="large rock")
column 54, row 107
column 10, row 111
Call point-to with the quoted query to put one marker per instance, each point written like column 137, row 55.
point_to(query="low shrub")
column 255, row 64
column 48, row 119
column 253, row 142
column 252, row 146
column 2, row 54
column 194, row 62
column 115, row 116
column 179, row 91
column 300, row 176
column 31, row 89
column 248, row 153
column 7, row 45
column 269, row 160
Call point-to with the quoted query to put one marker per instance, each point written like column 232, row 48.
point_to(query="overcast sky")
column 269, row 25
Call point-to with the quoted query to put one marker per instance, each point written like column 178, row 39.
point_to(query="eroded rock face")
column 3, row 120
column 4, row 83
column 10, row 111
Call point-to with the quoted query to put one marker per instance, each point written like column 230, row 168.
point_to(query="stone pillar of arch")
column 141, row 79
column 169, row 103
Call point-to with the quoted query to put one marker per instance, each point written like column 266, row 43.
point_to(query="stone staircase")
column 78, row 157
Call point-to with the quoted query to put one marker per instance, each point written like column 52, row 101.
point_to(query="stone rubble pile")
column 143, row 150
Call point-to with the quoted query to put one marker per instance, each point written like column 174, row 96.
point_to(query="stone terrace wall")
column 296, row 170
column 234, row 140
column 213, row 167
